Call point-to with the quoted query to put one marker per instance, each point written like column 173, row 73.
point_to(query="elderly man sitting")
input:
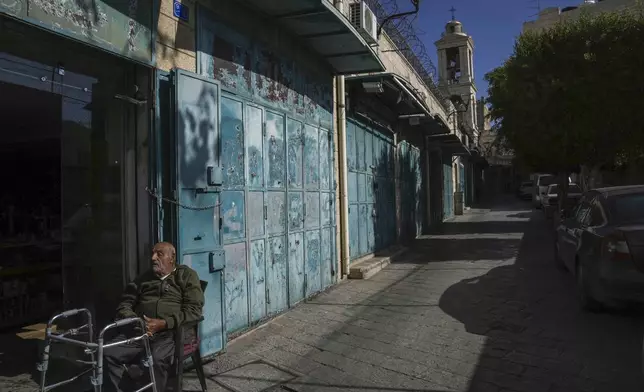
column 165, row 296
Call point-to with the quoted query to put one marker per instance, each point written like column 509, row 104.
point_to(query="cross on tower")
column 453, row 10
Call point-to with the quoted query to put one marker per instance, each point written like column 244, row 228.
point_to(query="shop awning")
column 393, row 93
column 324, row 29
column 450, row 143
column 397, row 95
column 477, row 158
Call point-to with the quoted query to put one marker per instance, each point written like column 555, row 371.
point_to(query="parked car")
column 550, row 202
column 541, row 182
column 525, row 190
column 602, row 242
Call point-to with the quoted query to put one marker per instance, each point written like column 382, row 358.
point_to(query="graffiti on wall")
column 243, row 64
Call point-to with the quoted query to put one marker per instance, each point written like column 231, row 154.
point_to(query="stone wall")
column 175, row 44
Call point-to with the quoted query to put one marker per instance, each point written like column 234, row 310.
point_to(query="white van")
column 541, row 182
column 540, row 189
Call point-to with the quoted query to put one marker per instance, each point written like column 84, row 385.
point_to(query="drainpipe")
column 342, row 167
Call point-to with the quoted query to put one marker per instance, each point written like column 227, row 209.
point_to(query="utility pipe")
column 342, row 166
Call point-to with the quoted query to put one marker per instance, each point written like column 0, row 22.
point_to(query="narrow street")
column 481, row 307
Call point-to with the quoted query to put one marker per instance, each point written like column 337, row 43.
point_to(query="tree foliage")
column 573, row 94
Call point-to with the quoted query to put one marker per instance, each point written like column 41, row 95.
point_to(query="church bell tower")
column 456, row 68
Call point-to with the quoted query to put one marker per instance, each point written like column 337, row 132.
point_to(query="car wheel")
column 560, row 264
column 584, row 294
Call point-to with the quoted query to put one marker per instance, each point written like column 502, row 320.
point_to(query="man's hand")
column 153, row 326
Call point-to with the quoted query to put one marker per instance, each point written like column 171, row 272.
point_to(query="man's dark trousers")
column 162, row 347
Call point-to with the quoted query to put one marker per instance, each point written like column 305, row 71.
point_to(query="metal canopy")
column 477, row 158
column 441, row 122
column 324, row 29
column 395, row 94
column 399, row 96
column 449, row 143
column 456, row 149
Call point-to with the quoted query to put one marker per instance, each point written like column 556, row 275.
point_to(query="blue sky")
column 493, row 26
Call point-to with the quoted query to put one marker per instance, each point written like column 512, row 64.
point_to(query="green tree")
column 571, row 96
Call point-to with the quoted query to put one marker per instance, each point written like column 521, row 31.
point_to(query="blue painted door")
column 192, row 219
column 255, row 172
column 296, row 200
column 420, row 191
column 372, row 212
column 233, row 212
column 436, row 188
column 276, row 212
column 254, row 211
column 352, row 189
column 407, row 188
column 327, row 210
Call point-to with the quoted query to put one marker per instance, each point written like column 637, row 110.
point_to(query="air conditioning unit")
column 364, row 20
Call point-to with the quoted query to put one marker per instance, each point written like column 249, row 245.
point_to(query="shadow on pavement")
column 383, row 334
column 521, row 215
column 537, row 338
column 467, row 249
column 504, row 203
column 482, row 227
column 479, row 308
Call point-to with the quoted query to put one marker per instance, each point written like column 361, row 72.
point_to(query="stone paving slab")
column 253, row 377
column 478, row 308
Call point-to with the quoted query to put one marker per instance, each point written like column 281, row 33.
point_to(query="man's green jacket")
column 176, row 299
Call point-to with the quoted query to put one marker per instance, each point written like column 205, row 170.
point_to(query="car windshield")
column 546, row 180
column 628, row 208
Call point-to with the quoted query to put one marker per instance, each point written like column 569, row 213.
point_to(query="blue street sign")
column 181, row 11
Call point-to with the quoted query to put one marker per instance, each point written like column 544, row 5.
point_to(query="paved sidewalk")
column 481, row 307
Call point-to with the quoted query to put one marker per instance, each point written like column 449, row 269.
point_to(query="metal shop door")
column 187, row 187
column 311, row 211
column 448, row 188
column 372, row 212
column 420, row 202
column 412, row 192
column 436, row 188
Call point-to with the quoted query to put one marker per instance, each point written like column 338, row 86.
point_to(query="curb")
column 370, row 266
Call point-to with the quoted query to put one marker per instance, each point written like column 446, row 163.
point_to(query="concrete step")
column 368, row 266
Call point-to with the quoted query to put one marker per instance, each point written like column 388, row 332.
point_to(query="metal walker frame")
column 94, row 350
